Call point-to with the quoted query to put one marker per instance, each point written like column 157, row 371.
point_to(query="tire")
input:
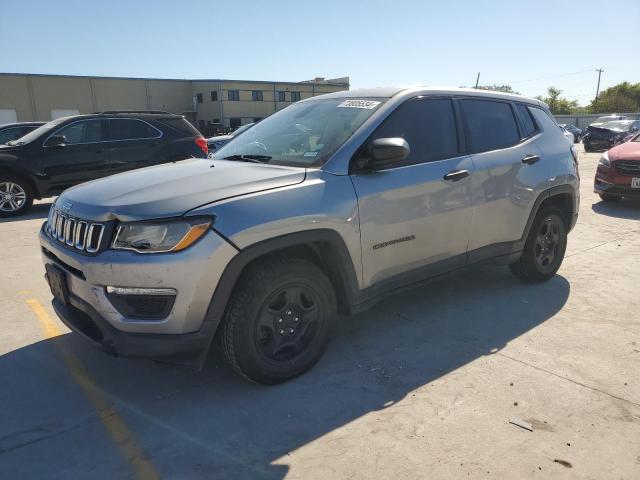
column 279, row 320
column 16, row 196
column 609, row 198
column 536, row 264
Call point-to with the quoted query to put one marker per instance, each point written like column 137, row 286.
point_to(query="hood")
column 600, row 132
column 170, row 190
column 625, row 151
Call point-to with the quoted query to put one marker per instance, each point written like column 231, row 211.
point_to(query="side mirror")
column 384, row 152
column 56, row 141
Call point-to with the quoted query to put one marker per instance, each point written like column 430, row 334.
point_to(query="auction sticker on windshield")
column 367, row 104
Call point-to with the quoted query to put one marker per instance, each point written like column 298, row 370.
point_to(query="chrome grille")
column 628, row 167
column 74, row 233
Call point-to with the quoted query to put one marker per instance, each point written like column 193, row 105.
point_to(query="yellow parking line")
column 112, row 422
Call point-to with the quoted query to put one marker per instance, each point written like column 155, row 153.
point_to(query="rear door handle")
column 530, row 159
column 455, row 175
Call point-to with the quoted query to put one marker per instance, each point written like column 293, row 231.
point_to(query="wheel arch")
column 8, row 170
column 562, row 197
column 324, row 247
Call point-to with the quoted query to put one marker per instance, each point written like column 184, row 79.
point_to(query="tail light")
column 202, row 143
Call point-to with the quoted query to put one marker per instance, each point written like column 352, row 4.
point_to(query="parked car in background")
column 13, row 131
column 567, row 134
column 608, row 118
column 214, row 143
column 577, row 133
column 618, row 173
column 322, row 208
column 72, row 150
column 609, row 134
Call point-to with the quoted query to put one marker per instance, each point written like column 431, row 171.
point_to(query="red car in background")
column 618, row 173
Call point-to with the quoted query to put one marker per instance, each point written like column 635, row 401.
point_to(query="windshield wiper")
column 249, row 158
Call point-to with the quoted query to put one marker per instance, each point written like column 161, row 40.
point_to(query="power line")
column 551, row 76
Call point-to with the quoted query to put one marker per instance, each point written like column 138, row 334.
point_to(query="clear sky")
column 529, row 45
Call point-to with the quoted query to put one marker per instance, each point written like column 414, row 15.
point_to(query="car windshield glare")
column 304, row 134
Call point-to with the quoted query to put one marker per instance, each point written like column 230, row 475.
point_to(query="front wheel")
column 278, row 321
column 16, row 196
column 544, row 248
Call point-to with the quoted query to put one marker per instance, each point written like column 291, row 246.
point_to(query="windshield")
column 34, row 134
column 304, row 134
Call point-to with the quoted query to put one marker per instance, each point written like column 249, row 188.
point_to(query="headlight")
column 160, row 236
column 605, row 160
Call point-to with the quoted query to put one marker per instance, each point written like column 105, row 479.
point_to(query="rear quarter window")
column 526, row 120
column 180, row 126
column 490, row 125
column 543, row 119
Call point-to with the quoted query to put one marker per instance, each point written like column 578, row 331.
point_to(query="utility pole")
column 599, row 70
column 478, row 79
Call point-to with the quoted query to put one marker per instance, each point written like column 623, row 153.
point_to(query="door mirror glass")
column 385, row 152
column 56, row 141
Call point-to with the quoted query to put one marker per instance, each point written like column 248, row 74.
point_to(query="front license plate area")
column 635, row 182
column 57, row 279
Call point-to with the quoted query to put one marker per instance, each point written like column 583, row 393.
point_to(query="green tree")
column 559, row 105
column 624, row 97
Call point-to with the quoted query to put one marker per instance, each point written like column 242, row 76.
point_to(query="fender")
column 328, row 244
column 9, row 164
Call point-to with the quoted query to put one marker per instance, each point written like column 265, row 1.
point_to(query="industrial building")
column 31, row 97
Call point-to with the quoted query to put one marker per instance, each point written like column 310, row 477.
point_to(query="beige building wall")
column 35, row 97
column 119, row 94
column 14, row 95
column 170, row 95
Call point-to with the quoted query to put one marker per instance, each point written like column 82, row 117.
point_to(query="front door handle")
column 455, row 175
column 530, row 159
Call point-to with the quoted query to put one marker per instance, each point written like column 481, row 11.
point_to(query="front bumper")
column 609, row 182
column 194, row 273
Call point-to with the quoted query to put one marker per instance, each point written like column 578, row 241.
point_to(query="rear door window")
column 490, row 124
column 428, row 126
column 131, row 129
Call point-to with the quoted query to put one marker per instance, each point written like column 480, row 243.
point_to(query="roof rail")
column 158, row 112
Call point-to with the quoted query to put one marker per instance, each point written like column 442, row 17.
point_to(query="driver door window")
column 81, row 158
column 88, row 131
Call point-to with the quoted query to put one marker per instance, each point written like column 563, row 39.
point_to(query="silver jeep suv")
column 320, row 209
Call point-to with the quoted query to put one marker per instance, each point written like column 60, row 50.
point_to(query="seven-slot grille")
column 628, row 167
column 73, row 232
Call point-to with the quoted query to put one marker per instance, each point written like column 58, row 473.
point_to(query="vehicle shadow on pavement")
column 212, row 424
column 626, row 209
column 40, row 210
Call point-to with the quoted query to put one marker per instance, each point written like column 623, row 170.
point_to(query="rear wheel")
column 544, row 248
column 16, row 196
column 609, row 198
column 278, row 322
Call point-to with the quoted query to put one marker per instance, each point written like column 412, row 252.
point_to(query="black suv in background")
column 72, row 150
